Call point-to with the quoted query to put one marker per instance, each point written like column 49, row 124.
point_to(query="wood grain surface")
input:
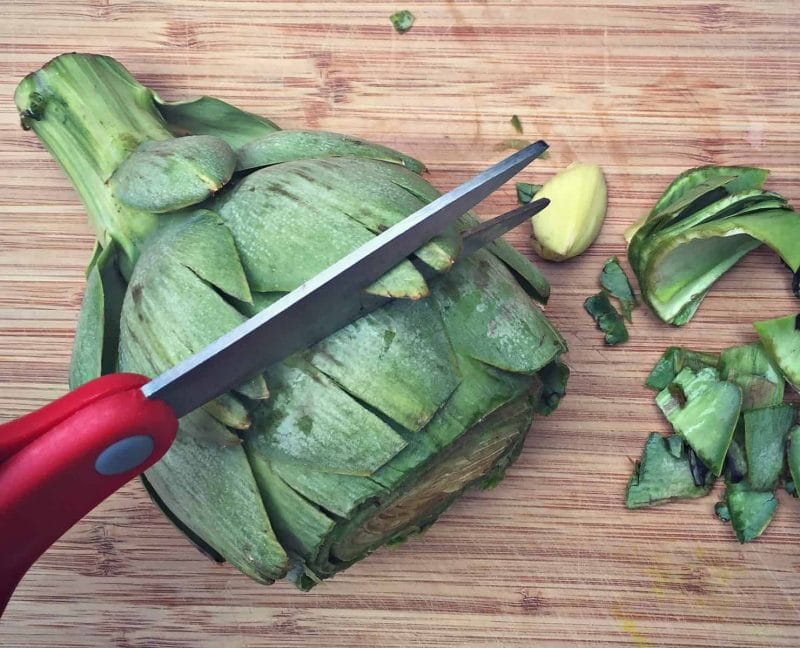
column 551, row 557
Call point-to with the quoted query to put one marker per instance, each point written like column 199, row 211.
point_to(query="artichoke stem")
column 90, row 114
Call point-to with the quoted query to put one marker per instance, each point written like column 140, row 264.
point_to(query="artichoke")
column 205, row 214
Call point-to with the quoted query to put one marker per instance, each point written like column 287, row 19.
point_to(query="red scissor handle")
column 59, row 462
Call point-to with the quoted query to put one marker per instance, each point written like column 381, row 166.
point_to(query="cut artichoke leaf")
column 314, row 423
column 673, row 360
column 607, row 318
column 211, row 490
column 94, row 350
column 299, row 525
column 750, row 367
column 703, row 410
column 528, row 275
column 691, row 178
column 199, row 242
column 750, row 511
column 765, row 433
column 211, row 116
column 229, row 411
column 554, row 378
column 614, row 280
column 781, row 340
column 201, row 545
column 285, row 237
column 680, row 275
column 397, row 359
column 381, row 202
column 489, row 317
column 736, row 458
column 727, row 207
column 660, row 476
column 526, row 192
column 288, row 145
column 170, row 313
column 713, row 187
column 168, row 175
column 777, row 228
column 793, row 454
column 337, row 494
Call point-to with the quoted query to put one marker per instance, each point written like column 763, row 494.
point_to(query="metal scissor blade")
column 492, row 229
column 323, row 304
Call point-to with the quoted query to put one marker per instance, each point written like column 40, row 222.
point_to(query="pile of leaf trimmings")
column 729, row 419
column 614, row 283
column 705, row 221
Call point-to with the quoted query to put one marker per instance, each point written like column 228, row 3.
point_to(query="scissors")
column 59, row 462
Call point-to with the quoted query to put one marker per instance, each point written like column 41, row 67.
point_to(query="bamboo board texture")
column 551, row 557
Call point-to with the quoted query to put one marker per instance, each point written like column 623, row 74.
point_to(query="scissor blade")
column 323, row 304
column 488, row 231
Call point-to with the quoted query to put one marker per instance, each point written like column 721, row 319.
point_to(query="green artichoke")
column 205, row 214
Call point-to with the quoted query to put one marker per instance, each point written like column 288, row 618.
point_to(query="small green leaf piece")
column 516, row 123
column 607, row 318
column 722, row 512
column 750, row 367
column 614, row 280
column 660, row 476
column 554, row 385
column 526, row 192
column 673, row 360
column 703, row 409
column 751, row 511
column 402, row 21
column 781, row 339
column 168, row 175
column 765, row 432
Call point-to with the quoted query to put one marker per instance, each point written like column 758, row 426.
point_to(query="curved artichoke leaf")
column 781, row 339
column 382, row 202
column 168, row 175
column 311, row 421
column 397, row 359
column 212, row 116
column 299, row 525
column 288, row 145
column 489, row 317
column 94, row 349
column 285, row 237
column 211, row 490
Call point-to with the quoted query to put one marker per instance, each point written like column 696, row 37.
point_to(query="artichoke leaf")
column 284, row 236
column 750, row 511
column 765, row 434
column 94, row 350
column 167, row 175
column 397, row 359
column 288, row 145
column 781, row 340
column 673, row 360
column 489, row 317
column 211, row 116
column 211, row 490
column 663, row 474
column 750, row 367
column 299, row 525
column 703, row 410
column 312, row 422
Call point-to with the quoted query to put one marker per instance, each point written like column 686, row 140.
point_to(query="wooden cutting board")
column 646, row 89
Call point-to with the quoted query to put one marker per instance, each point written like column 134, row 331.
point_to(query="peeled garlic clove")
column 572, row 220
